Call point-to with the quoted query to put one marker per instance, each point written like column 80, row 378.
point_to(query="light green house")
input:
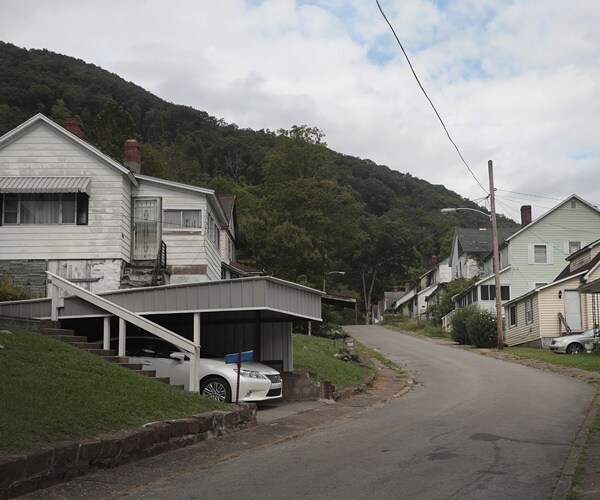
column 535, row 255
column 558, row 308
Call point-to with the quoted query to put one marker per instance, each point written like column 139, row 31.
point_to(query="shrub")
column 474, row 326
column 12, row 291
column 459, row 323
column 482, row 329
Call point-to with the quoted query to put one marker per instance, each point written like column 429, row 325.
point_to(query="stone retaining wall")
column 23, row 473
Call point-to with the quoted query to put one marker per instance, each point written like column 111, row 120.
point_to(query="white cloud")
column 516, row 82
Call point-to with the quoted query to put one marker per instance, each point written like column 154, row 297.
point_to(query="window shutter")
column 530, row 254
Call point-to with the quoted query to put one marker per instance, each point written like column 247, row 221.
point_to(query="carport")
column 254, row 313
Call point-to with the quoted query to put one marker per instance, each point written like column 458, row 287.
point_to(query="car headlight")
column 250, row 374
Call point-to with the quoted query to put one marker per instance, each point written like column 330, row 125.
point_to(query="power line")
column 430, row 101
column 530, row 195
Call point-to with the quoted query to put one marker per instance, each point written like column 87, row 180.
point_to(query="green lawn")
column 315, row 355
column 589, row 362
column 50, row 391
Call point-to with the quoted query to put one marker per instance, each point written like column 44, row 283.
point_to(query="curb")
column 567, row 475
column 37, row 469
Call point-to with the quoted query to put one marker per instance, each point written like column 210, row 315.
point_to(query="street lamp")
column 496, row 261
column 339, row 273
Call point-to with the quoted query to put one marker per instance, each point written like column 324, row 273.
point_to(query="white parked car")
column 218, row 379
column 574, row 344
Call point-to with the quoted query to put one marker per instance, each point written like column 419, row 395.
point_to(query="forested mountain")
column 303, row 209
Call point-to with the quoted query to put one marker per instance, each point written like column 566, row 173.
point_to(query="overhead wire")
column 428, row 98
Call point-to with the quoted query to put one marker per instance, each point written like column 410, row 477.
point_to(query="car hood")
column 248, row 365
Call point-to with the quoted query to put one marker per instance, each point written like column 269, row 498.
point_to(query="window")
column 182, row 219
column 45, row 208
column 488, row 292
column 512, row 315
column 529, row 311
column 572, row 247
column 217, row 236
column 210, row 226
column 540, row 254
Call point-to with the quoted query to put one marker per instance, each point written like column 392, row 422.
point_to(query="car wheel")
column 574, row 348
column 216, row 388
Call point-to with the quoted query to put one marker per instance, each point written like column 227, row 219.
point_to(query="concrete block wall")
column 29, row 274
column 23, row 473
column 300, row 387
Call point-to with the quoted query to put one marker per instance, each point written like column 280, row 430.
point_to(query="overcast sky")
column 516, row 82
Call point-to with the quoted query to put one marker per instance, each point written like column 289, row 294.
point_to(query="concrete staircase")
column 53, row 329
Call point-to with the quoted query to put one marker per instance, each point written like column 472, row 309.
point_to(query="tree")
column 112, row 128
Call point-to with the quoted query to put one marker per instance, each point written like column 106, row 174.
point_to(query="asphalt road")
column 473, row 427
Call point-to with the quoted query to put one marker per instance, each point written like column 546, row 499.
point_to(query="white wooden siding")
column 187, row 247
column 43, row 151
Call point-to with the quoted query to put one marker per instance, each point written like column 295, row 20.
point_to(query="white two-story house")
column 535, row 254
column 68, row 208
column 414, row 302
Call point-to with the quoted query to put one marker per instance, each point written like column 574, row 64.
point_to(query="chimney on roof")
column 75, row 126
column 434, row 261
column 407, row 286
column 132, row 155
column 525, row 215
column 483, row 225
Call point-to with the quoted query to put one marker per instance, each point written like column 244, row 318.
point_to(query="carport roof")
column 281, row 298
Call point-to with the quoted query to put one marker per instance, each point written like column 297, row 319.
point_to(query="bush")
column 474, row 326
column 482, row 329
column 12, row 291
column 459, row 323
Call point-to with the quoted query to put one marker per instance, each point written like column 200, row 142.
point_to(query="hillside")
column 303, row 209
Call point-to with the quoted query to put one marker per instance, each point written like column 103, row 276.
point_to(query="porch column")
column 194, row 384
column 122, row 329
column 106, row 334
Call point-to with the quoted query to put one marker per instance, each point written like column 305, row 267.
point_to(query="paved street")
column 473, row 427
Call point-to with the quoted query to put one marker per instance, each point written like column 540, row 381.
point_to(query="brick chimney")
column 132, row 155
column 483, row 225
column 434, row 261
column 75, row 126
column 525, row 215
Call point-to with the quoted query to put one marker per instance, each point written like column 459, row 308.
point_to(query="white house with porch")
column 69, row 209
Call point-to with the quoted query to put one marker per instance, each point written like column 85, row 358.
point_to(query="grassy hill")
column 303, row 209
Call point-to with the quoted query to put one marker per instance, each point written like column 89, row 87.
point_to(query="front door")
column 573, row 309
column 146, row 228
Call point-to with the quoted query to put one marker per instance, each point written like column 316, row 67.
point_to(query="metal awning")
column 45, row 185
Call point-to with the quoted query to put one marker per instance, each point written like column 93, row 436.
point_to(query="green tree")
column 112, row 128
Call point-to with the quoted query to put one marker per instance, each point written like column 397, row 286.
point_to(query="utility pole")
column 496, row 257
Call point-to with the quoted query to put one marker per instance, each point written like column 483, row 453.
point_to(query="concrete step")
column 88, row 346
column 57, row 331
column 99, row 352
column 131, row 366
column 70, row 339
column 118, row 360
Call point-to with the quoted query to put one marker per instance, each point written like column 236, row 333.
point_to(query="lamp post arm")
column 450, row 210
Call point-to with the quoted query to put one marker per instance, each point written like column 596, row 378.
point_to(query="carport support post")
column 106, row 334
column 194, row 384
column 54, row 301
column 122, row 329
